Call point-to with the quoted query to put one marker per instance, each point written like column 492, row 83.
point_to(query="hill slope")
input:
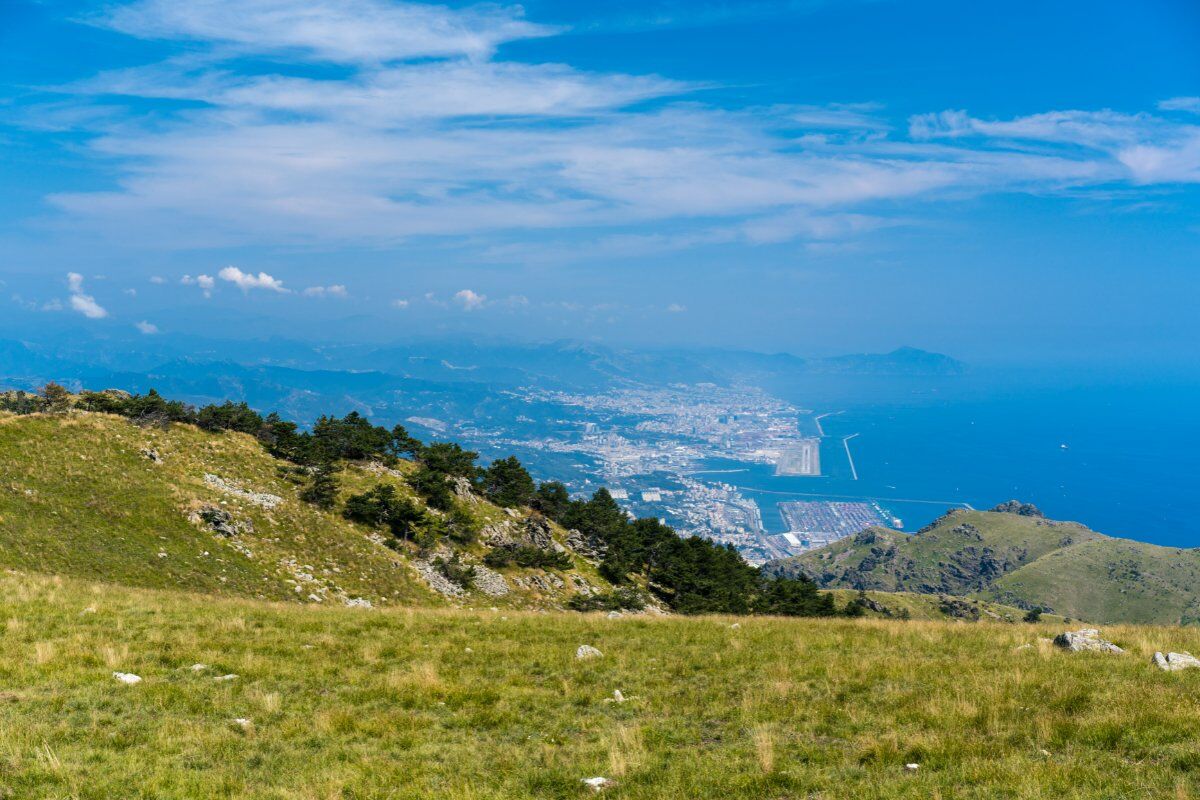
column 1020, row 560
column 94, row 496
column 404, row 703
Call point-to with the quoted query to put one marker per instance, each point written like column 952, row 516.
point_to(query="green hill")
column 1017, row 559
column 92, row 495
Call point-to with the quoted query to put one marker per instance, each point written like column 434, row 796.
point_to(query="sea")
column 1116, row 451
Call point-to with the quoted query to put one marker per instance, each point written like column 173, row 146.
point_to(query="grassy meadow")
column 473, row 703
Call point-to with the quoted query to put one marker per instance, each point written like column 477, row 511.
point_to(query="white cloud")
column 131, row 292
column 400, row 303
column 83, row 303
column 337, row 290
column 157, row 279
column 676, row 308
column 469, row 300
column 421, row 129
column 342, row 31
column 147, row 328
column 248, row 280
column 52, row 305
column 205, row 282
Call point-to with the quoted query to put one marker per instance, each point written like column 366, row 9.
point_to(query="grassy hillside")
column 80, row 495
column 400, row 703
column 1018, row 560
column 1112, row 579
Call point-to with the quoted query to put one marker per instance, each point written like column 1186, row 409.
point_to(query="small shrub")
column 623, row 598
column 529, row 557
column 456, row 571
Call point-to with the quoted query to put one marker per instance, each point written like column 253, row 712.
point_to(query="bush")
column 322, row 489
column 622, row 598
column 381, row 507
column 1033, row 615
column 529, row 557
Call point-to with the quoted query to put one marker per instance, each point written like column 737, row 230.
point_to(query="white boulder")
column 586, row 651
column 1173, row 662
column 1086, row 640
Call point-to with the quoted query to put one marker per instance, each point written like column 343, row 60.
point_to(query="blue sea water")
column 1119, row 453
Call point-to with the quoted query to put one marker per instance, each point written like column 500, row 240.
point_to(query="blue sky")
column 1005, row 181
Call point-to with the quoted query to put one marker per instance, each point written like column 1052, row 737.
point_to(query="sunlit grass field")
column 458, row 703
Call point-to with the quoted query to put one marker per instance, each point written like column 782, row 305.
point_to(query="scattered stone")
column 436, row 580
column 223, row 678
column 262, row 499
column 152, row 454
column 358, row 602
column 490, row 582
column 586, row 651
column 1044, row 752
column 88, row 610
column 127, row 678
column 243, row 723
column 1173, row 662
column 468, row 650
column 1025, row 646
column 599, row 784
column 614, row 615
column 1085, row 640
column 617, row 696
column 737, row 626
column 911, row 767
column 198, row 667
column 161, row 554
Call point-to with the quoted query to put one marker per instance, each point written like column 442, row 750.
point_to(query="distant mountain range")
column 1014, row 556
column 451, row 377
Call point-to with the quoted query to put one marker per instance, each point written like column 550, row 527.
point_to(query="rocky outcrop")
column 1086, row 640
column 590, row 547
column 220, row 521
column 261, row 499
column 1022, row 509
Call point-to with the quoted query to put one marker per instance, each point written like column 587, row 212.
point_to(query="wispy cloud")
column 146, row 328
column 421, row 130
column 337, row 290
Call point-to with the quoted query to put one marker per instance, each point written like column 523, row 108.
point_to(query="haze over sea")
column 1129, row 466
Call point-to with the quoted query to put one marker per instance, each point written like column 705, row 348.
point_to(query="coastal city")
column 667, row 452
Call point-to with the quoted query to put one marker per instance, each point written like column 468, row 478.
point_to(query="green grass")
column 449, row 703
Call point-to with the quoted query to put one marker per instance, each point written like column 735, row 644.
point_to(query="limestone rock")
column 589, row 547
column 261, row 499
column 1173, row 662
column 586, row 651
column 127, row 678
column 598, row 784
column 1085, row 640
column 490, row 582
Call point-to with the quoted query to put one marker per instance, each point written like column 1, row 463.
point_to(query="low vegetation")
column 450, row 703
